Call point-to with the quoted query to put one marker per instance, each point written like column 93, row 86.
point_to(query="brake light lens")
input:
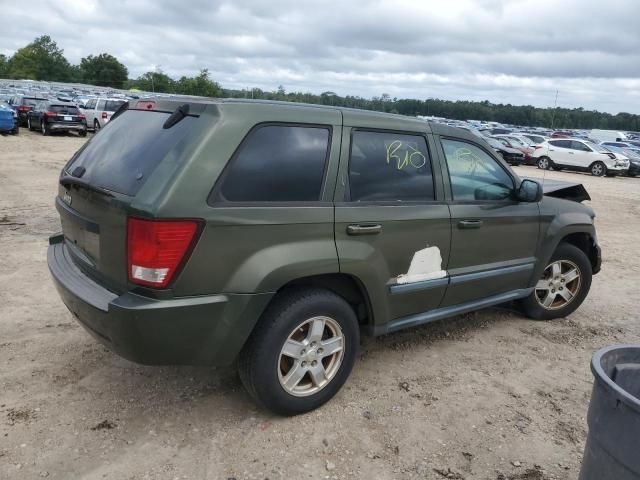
column 157, row 249
column 145, row 105
column 104, row 115
column 81, row 115
column 50, row 114
column 24, row 108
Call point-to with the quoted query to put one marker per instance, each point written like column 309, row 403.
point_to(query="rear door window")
column 388, row 166
column 277, row 163
column 128, row 149
column 561, row 143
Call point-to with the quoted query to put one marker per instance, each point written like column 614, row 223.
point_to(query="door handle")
column 365, row 229
column 468, row 224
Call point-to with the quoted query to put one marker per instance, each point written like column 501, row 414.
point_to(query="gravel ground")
column 487, row 395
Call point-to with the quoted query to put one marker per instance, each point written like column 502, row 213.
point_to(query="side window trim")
column 215, row 199
column 347, row 189
column 447, row 172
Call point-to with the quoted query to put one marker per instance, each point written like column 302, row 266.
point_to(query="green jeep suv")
column 275, row 234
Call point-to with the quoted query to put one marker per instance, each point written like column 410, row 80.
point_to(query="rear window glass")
column 63, row 108
column 112, row 105
column 126, row 151
column 277, row 163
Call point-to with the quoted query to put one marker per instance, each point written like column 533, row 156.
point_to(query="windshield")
column 64, row 108
column 596, row 148
column 112, row 105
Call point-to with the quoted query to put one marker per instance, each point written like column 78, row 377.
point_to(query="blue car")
column 8, row 123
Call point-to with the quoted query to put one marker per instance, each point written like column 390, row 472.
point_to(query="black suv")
column 23, row 105
column 57, row 116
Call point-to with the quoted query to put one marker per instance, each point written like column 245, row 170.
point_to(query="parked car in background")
column 607, row 135
column 55, row 116
column 8, row 120
column 99, row 111
column 633, row 155
column 560, row 134
column 244, row 245
column 22, row 104
column 535, row 139
column 518, row 144
column 510, row 155
column 579, row 155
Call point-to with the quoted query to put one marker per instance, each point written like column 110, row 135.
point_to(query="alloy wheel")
column 543, row 164
column 311, row 356
column 559, row 285
column 597, row 170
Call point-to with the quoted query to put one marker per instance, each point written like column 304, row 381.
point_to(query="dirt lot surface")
column 487, row 395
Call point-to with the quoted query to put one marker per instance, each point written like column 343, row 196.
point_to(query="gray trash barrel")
column 613, row 444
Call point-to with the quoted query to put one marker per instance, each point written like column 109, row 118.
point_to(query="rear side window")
column 277, row 163
column 127, row 150
column 387, row 166
column 561, row 143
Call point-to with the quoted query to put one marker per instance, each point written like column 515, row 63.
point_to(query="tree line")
column 42, row 59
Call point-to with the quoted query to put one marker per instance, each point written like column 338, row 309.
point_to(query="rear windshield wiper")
column 67, row 181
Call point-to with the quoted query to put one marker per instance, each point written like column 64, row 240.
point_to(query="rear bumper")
column 204, row 330
column 66, row 126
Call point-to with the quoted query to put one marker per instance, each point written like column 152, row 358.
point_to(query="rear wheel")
column 563, row 286
column 44, row 128
column 544, row 163
column 301, row 352
column 29, row 124
column 96, row 125
column 598, row 169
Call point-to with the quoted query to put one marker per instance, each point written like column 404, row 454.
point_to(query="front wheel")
column 563, row 286
column 544, row 163
column 29, row 124
column 598, row 169
column 301, row 352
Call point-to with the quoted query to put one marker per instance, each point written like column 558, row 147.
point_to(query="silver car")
column 99, row 111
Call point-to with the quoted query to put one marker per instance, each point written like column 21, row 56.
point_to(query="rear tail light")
column 104, row 115
column 24, row 108
column 81, row 115
column 157, row 249
column 50, row 114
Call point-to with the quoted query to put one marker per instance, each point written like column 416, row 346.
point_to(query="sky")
column 504, row 51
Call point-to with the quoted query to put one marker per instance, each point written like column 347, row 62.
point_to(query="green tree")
column 155, row 82
column 40, row 60
column 103, row 70
column 200, row 85
column 4, row 65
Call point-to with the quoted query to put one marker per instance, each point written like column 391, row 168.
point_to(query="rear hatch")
column 64, row 114
column 110, row 107
column 100, row 183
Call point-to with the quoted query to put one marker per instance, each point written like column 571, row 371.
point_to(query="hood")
column 566, row 190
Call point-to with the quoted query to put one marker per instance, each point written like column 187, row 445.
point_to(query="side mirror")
column 529, row 191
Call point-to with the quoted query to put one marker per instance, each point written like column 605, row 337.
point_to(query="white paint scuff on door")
column 426, row 264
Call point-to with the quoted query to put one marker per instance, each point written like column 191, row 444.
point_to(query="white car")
column 99, row 111
column 579, row 155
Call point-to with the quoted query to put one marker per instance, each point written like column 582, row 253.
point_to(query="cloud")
column 515, row 51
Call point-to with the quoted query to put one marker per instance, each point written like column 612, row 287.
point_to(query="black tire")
column 556, row 168
column 532, row 308
column 16, row 130
column 96, row 126
column 598, row 169
column 29, row 124
column 544, row 163
column 258, row 364
column 44, row 128
column 82, row 133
